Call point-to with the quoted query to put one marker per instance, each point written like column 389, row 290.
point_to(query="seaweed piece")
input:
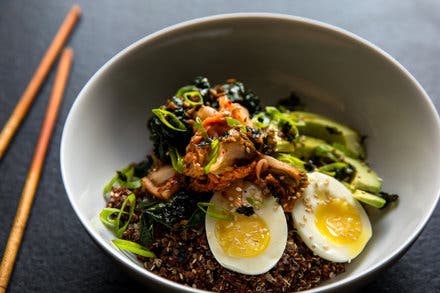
column 202, row 83
column 141, row 169
column 389, row 197
column 291, row 103
column 246, row 210
column 237, row 93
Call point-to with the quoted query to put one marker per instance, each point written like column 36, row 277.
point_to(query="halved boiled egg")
column 330, row 221
column 252, row 244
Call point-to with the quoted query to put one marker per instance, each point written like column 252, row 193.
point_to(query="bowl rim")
column 396, row 253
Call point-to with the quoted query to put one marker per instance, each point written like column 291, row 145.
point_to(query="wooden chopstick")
column 27, row 196
column 39, row 76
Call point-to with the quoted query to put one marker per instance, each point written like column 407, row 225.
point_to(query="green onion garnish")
column 172, row 119
column 184, row 89
column 105, row 216
column 254, row 202
column 133, row 247
column 215, row 212
column 273, row 111
column 330, row 169
column 283, row 119
column 291, row 160
column 234, row 122
column 110, row 184
column 199, row 126
column 213, row 155
column 176, row 160
column 117, row 226
column 124, row 178
column 132, row 184
column 128, row 171
column 189, row 97
column 261, row 120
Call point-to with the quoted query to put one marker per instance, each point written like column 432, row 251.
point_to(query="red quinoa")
column 185, row 257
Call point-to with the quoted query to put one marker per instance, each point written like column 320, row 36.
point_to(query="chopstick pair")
column 30, row 187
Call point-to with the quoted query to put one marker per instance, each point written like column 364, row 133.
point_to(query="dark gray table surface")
column 56, row 253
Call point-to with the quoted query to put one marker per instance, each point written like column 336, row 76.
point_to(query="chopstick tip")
column 68, row 51
column 76, row 9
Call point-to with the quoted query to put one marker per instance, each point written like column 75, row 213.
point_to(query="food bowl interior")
column 332, row 71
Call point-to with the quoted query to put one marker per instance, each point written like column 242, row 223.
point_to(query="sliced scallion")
column 172, row 122
column 215, row 212
column 234, row 122
column 184, row 89
column 176, row 160
column 254, row 202
column 261, row 120
column 330, row 169
column 273, row 111
column 110, row 184
column 189, row 97
column 105, row 216
column 128, row 171
column 132, row 184
column 126, row 178
column 199, row 126
column 213, row 155
column 291, row 160
column 133, row 247
column 118, row 229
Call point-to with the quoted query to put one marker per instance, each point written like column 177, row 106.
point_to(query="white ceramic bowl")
column 338, row 73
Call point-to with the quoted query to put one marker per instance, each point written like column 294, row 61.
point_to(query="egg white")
column 273, row 215
column 305, row 221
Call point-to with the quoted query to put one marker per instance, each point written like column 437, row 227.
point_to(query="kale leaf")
column 179, row 212
column 165, row 138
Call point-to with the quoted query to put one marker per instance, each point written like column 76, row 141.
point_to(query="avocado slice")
column 364, row 179
column 332, row 132
column 368, row 198
column 305, row 146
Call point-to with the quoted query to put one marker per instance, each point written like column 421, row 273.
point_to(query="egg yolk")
column 245, row 236
column 338, row 221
